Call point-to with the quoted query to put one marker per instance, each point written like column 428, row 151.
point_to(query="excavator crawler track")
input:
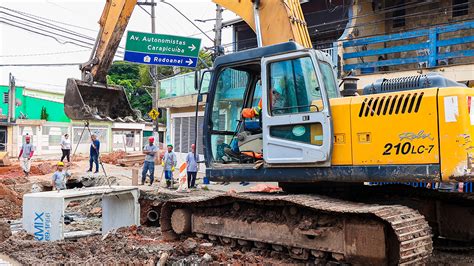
column 305, row 225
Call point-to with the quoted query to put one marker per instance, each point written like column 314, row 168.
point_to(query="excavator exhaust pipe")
column 84, row 101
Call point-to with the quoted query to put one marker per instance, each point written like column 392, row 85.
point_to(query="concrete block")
column 43, row 212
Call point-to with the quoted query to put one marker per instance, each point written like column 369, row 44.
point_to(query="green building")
column 31, row 102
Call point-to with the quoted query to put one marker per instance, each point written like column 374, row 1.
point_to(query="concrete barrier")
column 43, row 212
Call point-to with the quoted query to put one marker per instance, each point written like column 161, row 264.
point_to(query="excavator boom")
column 280, row 20
column 91, row 98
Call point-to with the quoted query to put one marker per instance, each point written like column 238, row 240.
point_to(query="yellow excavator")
column 311, row 139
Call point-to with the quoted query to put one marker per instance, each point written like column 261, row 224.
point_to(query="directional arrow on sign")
column 192, row 47
column 189, row 61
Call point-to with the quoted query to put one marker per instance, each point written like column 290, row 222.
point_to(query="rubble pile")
column 113, row 157
column 10, row 203
column 131, row 245
column 126, row 246
column 42, row 169
column 5, row 231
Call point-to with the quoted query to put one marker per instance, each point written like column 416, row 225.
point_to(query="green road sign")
column 150, row 43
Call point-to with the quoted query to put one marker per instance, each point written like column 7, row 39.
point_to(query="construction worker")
column 169, row 163
column 94, row 153
column 26, row 152
column 276, row 103
column 149, row 165
column 192, row 166
column 58, row 180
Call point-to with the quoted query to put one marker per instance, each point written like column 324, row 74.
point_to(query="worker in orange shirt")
column 276, row 100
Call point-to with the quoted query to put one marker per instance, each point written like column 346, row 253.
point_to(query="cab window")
column 294, row 87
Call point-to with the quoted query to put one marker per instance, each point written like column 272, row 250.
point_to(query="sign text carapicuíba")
column 161, row 49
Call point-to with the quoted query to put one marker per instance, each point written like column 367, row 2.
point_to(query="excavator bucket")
column 84, row 101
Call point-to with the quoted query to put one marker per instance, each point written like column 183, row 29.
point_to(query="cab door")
column 296, row 118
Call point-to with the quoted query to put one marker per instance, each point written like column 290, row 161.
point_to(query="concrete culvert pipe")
column 153, row 216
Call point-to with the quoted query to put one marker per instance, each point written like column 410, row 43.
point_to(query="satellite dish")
column 18, row 102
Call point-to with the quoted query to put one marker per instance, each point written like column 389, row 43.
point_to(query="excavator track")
column 307, row 226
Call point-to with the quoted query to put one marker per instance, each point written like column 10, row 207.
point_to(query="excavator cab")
column 295, row 85
column 96, row 101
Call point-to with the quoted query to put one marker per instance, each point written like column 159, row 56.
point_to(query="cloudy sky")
column 78, row 22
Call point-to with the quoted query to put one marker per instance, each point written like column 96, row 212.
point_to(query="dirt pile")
column 10, row 203
column 11, row 171
column 42, row 169
column 113, row 157
column 131, row 245
column 126, row 246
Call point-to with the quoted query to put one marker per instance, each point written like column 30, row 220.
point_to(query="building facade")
column 40, row 114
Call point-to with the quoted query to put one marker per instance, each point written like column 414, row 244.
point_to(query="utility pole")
column 11, row 98
column 218, row 50
column 153, row 69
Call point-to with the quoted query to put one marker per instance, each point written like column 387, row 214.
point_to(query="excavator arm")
column 113, row 22
column 280, row 20
column 274, row 21
column 91, row 98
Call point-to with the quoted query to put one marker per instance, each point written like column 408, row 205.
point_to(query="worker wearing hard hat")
column 169, row 163
column 276, row 100
column 149, row 165
column 59, row 178
column 26, row 152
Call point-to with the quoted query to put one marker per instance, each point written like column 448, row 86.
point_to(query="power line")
column 46, row 35
column 50, row 25
column 439, row 10
column 40, row 65
column 38, row 17
column 54, row 35
column 41, row 54
column 50, row 32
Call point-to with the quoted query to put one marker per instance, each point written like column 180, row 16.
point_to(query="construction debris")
column 10, row 203
column 132, row 159
column 4, row 160
column 5, row 231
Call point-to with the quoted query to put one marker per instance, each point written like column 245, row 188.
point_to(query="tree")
column 44, row 115
column 136, row 79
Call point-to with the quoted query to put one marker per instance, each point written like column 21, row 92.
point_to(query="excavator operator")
column 276, row 99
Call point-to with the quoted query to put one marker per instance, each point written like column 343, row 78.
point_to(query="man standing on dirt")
column 192, row 166
column 169, row 163
column 58, row 180
column 94, row 154
column 149, row 165
column 26, row 152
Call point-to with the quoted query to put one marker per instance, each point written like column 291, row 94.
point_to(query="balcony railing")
column 423, row 48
